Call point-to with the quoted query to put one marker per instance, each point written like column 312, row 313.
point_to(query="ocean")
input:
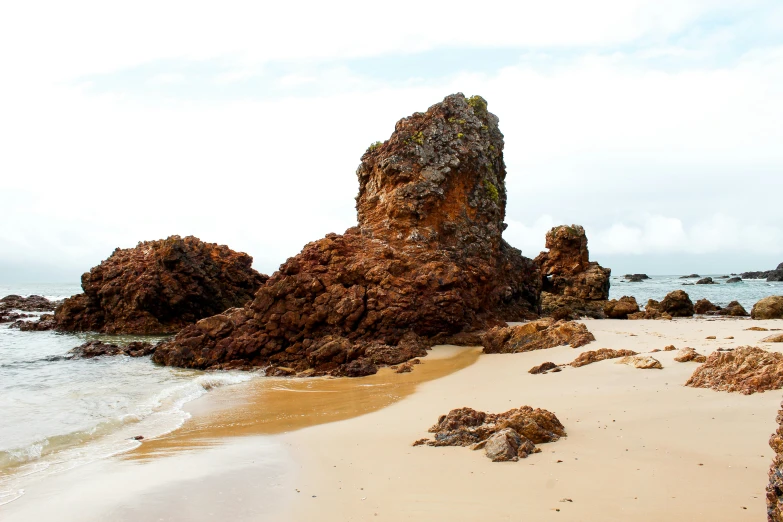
column 58, row 413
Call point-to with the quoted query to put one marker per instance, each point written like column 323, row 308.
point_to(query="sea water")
column 57, row 413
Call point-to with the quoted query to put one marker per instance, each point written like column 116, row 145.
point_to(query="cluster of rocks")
column 746, row 370
column 775, row 485
column 92, row 349
column 706, row 307
column 769, row 275
column 536, row 335
column 504, row 437
column 12, row 307
column 675, row 304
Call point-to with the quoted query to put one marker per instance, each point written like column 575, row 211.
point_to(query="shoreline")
column 210, row 466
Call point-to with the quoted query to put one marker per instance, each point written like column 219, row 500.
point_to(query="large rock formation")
column 566, row 268
column 426, row 258
column 160, row 287
column 768, row 308
column 746, row 370
column 769, row 275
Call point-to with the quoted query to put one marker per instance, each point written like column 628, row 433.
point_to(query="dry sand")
column 640, row 445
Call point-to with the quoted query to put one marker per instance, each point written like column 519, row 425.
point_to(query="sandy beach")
column 640, row 445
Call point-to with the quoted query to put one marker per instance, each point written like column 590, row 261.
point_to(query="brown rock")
column 621, row 308
column 756, row 329
column 536, row 335
column 160, row 287
column 566, row 268
column 773, row 339
column 690, row 354
column 427, row 257
column 92, row 349
column 768, row 308
column 601, row 354
column 733, row 309
column 669, row 348
column 746, row 370
column 643, row 362
column 560, row 307
column 33, row 303
column 704, row 305
column 775, row 485
column 45, row 322
column 542, row 368
column 677, row 304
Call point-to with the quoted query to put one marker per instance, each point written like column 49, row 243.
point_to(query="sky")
column 657, row 125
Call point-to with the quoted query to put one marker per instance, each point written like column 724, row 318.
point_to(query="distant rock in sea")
column 692, row 276
column 33, row 303
column 706, row 281
column 769, row 275
column 734, row 280
column 426, row 259
column 159, row 287
column 635, row 278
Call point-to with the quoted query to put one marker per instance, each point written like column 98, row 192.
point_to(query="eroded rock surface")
column 536, row 335
column 746, row 370
column 505, row 436
column 733, row 309
column 688, row 354
column 33, row 303
column 426, row 259
column 569, row 307
column 621, row 308
column 159, row 287
column 542, row 368
column 775, row 485
column 768, row 308
column 642, row 362
column 92, row 349
column 704, row 306
column 43, row 323
column 601, row 354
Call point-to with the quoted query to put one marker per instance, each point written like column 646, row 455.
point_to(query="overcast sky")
column 658, row 125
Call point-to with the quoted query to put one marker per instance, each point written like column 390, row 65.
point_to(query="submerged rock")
column 768, row 308
column 567, row 269
column 601, row 354
column 33, row 303
column 746, row 370
column 635, row 278
column 43, row 323
column 621, row 308
column 92, row 349
column 159, row 287
column 536, row 335
column 505, row 436
column 427, row 257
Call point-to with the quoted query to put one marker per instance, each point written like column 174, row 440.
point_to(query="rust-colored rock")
column 775, row 485
column 504, row 436
column 768, row 308
column 601, row 354
column 427, row 257
column 566, row 268
column 536, row 335
column 704, row 306
column 621, row 308
column 773, row 339
column 542, row 368
column 43, row 323
column 688, row 354
column 570, row 308
column 669, row 348
column 756, row 329
column 33, row 303
column 677, row 304
column 733, row 309
column 642, row 362
column 160, row 287
column 746, row 370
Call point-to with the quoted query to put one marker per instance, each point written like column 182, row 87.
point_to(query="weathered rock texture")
column 92, row 349
column 601, row 354
column 778, row 338
column 704, row 306
column 768, row 308
column 621, row 308
column 568, row 307
column 733, row 309
column 536, row 335
column 426, row 258
column 542, row 368
column 643, row 362
column 33, row 303
column 775, row 486
column 44, row 322
column 566, row 268
column 688, row 354
column 505, row 436
column 746, row 370
column 160, row 287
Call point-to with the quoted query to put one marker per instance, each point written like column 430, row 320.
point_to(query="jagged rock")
column 643, row 362
column 734, row 280
column 692, row 276
column 773, row 339
column 601, row 354
column 45, row 322
column 542, row 368
column 159, row 287
column 768, row 308
column 775, row 486
column 427, row 257
column 504, row 436
column 566, row 267
column 621, row 308
column 567, row 307
column 746, row 370
column 536, row 335
column 690, row 354
column 733, row 309
column 704, row 306
column 92, row 349
column 33, row 303
column 706, row 281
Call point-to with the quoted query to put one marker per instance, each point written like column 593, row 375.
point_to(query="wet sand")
column 640, row 445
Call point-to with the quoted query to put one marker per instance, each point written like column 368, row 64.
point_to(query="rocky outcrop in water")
column 768, row 308
column 621, row 308
column 160, row 287
column 426, row 259
column 33, row 303
column 567, row 269
column 601, row 354
column 635, row 278
column 505, row 436
column 43, row 323
column 775, row 485
column 92, row 349
column 746, row 370
column 706, row 281
column 677, row 304
column 769, row 275
column 734, row 280
column 536, row 335
column 691, row 276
